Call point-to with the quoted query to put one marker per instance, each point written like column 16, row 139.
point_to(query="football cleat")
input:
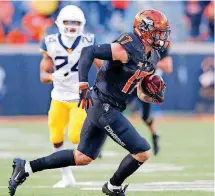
column 155, row 141
column 18, row 175
column 115, row 192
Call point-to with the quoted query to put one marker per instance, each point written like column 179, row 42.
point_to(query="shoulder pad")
column 132, row 45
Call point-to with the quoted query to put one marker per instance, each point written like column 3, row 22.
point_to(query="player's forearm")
column 88, row 55
column 166, row 65
column 46, row 67
column 45, row 77
column 98, row 63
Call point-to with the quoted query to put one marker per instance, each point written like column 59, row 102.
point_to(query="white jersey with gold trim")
column 65, row 75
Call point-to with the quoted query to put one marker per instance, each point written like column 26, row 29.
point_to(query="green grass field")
column 184, row 167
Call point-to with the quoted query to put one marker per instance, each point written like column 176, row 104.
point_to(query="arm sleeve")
column 88, row 54
column 164, row 54
column 43, row 47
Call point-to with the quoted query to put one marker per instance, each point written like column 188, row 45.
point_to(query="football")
column 152, row 84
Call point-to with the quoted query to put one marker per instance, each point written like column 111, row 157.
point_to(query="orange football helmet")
column 152, row 27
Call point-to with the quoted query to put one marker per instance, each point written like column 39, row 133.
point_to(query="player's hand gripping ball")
column 154, row 86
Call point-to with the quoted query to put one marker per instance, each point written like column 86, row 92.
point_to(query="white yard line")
column 147, row 168
column 199, row 185
column 57, row 176
column 156, row 190
column 168, row 186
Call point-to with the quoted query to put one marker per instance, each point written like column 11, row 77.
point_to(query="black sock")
column 59, row 159
column 127, row 167
column 155, row 134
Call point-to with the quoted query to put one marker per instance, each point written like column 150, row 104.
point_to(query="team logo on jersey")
column 106, row 107
column 69, row 50
column 88, row 38
column 140, row 64
column 51, row 39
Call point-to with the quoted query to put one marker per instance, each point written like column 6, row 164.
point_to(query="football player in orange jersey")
column 130, row 58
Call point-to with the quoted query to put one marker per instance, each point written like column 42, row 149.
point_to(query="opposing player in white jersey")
column 61, row 53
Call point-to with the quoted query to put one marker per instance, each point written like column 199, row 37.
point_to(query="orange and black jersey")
column 115, row 79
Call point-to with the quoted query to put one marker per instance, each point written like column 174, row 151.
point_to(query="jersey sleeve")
column 164, row 54
column 43, row 47
column 127, row 42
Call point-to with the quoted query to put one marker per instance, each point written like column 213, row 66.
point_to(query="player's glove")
column 85, row 95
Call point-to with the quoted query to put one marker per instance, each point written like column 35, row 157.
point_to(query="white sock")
column 65, row 171
column 112, row 187
column 28, row 168
column 58, row 149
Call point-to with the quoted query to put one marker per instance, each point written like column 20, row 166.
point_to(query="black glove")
column 85, row 95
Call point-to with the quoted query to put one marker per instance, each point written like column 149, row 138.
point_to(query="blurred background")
column 24, row 23
column 184, row 120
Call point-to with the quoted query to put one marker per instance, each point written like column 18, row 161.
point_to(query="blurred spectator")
column 6, row 13
column 194, row 11
column 104, row 18
column 16, row 37
column 206, row 92
column 2, row 35
column 6, row 16
column 118, row 15
column 122, row 5
column 35, row 25
column 209, row 14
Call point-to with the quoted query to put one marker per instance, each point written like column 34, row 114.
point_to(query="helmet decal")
column 147, row 24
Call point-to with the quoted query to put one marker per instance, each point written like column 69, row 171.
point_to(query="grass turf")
column 186, row 156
